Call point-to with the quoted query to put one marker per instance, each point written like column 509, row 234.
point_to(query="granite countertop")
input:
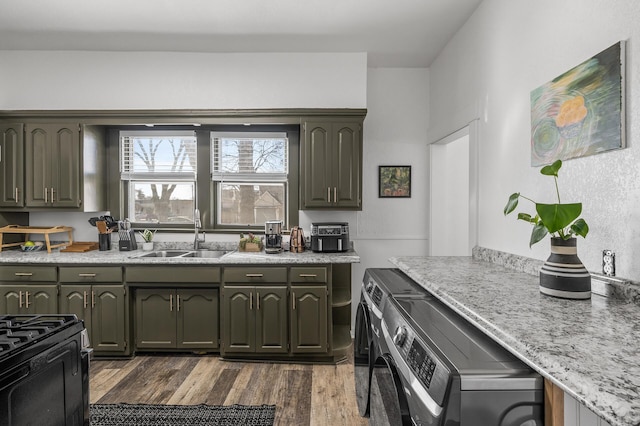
column 234, row 257
column 590, row 348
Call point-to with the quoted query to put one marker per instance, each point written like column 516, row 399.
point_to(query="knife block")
column 127, row 240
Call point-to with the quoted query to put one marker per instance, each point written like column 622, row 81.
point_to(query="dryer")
column 377, row 286
column 435, row 368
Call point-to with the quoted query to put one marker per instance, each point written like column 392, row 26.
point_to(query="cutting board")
column 80, row 247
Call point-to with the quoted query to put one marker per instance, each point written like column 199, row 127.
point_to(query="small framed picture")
column 394, row 181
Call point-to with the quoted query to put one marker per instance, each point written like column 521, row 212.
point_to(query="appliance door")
column 388, row 404
column 363, row 357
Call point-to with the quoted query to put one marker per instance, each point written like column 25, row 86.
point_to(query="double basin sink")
column 181, row 254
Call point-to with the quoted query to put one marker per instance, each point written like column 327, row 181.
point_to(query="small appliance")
column 329, row 237
column 273, row 236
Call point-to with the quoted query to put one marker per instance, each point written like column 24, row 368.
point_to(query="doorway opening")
column 453, row 192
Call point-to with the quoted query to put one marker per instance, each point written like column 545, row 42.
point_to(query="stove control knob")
column 369, row 287
column 400, row 336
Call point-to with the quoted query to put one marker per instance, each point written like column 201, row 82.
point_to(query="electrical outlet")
column 609, row 263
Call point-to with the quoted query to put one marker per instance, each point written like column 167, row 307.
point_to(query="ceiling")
column 398, row 33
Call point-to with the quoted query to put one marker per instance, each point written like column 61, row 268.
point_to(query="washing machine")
column 373, row 295
column 434, row 368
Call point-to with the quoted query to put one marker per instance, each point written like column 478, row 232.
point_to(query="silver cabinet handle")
column 23, row 274
column 254, row 275
column 26, row 298
column 251, row 301
column 46, row 195
column 258, row 299
column 328, row 195
column 293, row 300
column 335, row 194
column 178, row 302
column 308, row 275
column 87, row 275
column 20, row 299
column 17, row 195
column 84, row 299
column 171, row 303
column 52, row 199
column 93, row 299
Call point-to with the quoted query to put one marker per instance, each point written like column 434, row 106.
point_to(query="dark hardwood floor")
column 303, row 394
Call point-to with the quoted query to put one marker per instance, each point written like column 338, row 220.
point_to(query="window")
column 250, row 172
column 158, row 171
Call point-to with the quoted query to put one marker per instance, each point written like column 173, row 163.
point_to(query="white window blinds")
column 249, row 157
column 158, row 155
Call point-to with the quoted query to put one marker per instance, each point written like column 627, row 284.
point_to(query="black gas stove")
column 44, row 371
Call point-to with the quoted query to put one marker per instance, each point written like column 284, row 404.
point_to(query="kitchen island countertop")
column 589, row 348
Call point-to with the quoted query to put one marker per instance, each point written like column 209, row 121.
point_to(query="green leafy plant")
column 558, row 220
column 147, row 235
column 251, row 238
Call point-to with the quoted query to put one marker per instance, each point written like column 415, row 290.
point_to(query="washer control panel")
column 421, row 363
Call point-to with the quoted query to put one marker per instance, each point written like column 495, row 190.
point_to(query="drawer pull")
column 24, row 274
column 308, row 275
column 87, row 275
column 254, row 275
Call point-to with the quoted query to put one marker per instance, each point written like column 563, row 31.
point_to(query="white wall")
column 172, row 80
column 505, row 50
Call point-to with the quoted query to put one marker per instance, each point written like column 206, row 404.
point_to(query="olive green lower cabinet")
column 176, row 307
column 309, row 319
column 98, row 297
column 28, row 290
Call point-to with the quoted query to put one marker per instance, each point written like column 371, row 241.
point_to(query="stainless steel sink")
column 180, row 254
column 210, row 254
column 166, row 253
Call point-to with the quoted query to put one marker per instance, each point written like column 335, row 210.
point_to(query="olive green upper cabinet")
column 331, row 166
column 53, row 165
column 11, row 166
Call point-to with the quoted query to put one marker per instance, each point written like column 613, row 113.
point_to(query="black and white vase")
column 563, row 274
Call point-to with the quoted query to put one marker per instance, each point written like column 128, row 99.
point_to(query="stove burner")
column 18, row 331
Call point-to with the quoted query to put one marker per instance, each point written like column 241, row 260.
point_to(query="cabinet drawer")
column 308, row 275
column 28, row 273
column 90, row 274
column 172, row 274
column 255, row 275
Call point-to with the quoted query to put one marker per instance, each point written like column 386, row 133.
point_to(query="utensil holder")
column 104, row 242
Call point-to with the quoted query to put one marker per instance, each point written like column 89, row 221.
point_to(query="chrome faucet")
column 197, row 224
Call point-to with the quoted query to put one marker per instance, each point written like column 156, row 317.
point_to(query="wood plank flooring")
column 303, row 394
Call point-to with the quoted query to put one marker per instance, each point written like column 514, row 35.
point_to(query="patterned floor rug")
column 181, row 415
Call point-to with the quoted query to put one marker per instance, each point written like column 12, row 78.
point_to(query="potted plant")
column 563, row 274
column 250, row 243
column 147, row 237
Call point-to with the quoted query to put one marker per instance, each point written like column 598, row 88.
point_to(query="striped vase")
column 563, row 274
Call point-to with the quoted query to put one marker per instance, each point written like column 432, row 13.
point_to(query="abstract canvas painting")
column 580, row 112
column 394, row 181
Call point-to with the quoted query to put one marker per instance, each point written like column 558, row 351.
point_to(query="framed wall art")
column 394, row 181
column 580, row 112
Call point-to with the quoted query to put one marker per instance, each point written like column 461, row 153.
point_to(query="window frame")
column 205, row 190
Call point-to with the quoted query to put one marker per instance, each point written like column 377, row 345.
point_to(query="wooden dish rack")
column 28, row 230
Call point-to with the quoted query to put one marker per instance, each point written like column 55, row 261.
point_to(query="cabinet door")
column 76, row 299
column 238, row 317
column 52, row 164
column 108, row 318
column 317, row 180
column 347, row 165
column 41, row 299
column 37, row 165
column 11, row 300
column 271, row 319
column 11, row 165
column 309, row 319
column 155, row 318
column 197, row 318
column 65, row 167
